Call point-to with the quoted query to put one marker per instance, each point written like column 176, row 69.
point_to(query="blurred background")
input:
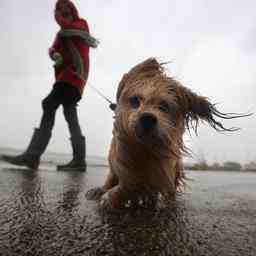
column 211, row 46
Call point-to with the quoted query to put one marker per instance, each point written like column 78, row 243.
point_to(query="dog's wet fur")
column 152, row 113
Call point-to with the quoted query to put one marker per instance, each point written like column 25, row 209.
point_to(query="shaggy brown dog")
column 152, row 113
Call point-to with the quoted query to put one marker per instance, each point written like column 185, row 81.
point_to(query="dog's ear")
column 196, row 108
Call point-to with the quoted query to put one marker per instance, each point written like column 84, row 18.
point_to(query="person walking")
column 70, row 52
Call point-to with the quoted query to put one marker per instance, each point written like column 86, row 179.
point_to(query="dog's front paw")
column 113, row 199
column 95, row 193
column 105, row 202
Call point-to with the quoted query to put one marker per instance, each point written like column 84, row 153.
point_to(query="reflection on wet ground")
column 46, row 213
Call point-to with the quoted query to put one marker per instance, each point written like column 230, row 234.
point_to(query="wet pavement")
column 45, row 213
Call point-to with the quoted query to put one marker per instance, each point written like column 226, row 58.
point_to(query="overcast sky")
column 212, row 46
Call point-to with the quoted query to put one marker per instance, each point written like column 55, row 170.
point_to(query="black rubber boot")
column 78, row 162
column 31, row 157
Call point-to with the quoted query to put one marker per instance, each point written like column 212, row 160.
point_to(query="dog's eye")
column 134, row 101
column 164, row 107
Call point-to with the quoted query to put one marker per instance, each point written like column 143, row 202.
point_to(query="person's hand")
column 57, row 58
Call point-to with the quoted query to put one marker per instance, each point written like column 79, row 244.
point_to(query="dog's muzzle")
column 146, row 125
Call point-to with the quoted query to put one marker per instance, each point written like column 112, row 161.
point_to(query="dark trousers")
column 67, row 96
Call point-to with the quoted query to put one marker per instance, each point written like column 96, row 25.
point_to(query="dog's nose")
column 148, row 121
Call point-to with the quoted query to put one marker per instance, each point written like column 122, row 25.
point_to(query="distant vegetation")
column 226, row 166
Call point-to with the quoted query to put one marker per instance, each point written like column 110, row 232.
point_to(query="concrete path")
column 46, row 213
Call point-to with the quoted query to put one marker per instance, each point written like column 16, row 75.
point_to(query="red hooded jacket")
column 65, row 72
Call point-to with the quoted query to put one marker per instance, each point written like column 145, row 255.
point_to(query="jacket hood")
column 71, row 5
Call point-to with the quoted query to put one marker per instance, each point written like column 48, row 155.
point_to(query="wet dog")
column 152, row 113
